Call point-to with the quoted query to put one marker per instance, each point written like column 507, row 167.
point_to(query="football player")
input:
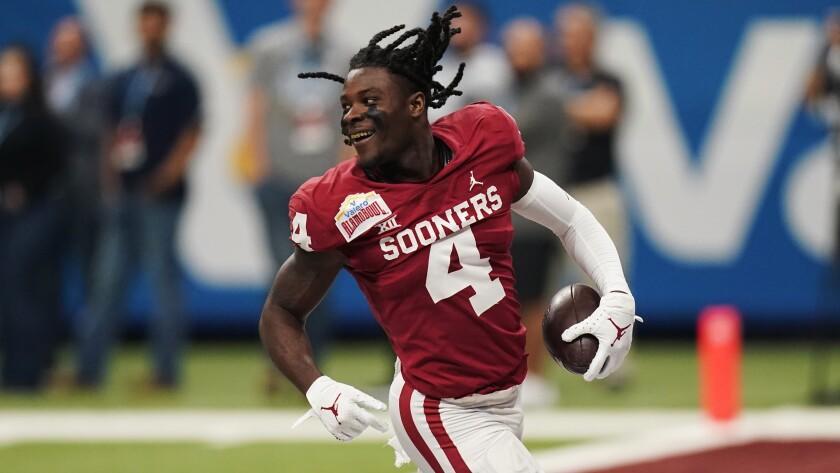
column 421, row 219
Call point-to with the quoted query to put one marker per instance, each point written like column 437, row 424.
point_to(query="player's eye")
column 369, row 101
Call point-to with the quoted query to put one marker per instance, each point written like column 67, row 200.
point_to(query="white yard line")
column 217, row 427
column 242, row 426
column 274, row 425
column 615, row 437
column 599, row 424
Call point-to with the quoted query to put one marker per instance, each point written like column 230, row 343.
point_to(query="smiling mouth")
column 360, row 136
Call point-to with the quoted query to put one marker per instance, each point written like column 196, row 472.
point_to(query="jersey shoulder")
column 482, row 126
column 312, row 208
column 329, row 211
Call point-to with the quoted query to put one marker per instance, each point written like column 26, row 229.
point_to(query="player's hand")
column 343, row 409
column 612, row 324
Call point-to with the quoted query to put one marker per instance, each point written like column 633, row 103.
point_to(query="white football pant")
column 480, row 433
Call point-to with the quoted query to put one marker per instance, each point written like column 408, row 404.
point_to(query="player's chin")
column 367, row 157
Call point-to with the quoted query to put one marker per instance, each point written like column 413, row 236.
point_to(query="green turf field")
column 189, row 458
column 177, row 458
column 234, row 376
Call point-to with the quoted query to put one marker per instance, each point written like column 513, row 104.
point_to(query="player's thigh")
column 481, row 435
column 504, row 453
column 404, row 405
column 489, row 438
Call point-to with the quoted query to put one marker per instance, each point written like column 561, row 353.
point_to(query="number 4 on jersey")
column 474, row 272
column 299, row 234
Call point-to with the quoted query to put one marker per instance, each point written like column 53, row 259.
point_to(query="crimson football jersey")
column 433, row 258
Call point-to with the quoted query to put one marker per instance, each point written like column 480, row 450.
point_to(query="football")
column 569, row 306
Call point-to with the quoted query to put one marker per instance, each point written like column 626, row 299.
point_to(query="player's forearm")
column 584, row 238
column 285, row 340
column 591, row 247
column 299, row 286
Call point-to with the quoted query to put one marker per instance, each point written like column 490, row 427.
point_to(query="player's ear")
column 417, row 104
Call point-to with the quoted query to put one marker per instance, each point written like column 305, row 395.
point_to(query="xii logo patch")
column 388, row 225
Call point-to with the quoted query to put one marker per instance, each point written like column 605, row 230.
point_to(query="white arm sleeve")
column 584, row 238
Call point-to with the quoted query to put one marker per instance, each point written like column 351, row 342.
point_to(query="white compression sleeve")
column 584, row 238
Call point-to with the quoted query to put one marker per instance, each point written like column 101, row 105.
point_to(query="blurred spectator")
column 823, row 98
column 536, row 104
column 487, row 75
column 31, row 163
column 154, row 121
column 823, row 92
column 292, row 129
column 73, row 93
column 594, row 102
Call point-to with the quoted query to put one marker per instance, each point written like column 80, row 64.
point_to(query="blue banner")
column 727, row 177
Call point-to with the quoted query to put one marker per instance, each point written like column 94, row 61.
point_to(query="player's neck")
column 417, row 163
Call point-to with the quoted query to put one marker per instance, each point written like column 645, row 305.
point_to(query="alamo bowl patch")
column 359, row 213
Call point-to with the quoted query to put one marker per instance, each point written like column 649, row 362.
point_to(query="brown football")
column 569, row 306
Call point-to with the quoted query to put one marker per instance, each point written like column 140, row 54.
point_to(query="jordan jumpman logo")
column 619, row 331
column 333, row 408
column 474, row 182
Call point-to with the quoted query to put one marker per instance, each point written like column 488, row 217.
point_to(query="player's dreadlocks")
column 418, row 62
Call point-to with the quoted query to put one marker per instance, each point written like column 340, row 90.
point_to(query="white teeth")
column 360, row 135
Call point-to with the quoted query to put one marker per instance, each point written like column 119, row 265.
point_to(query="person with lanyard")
column 154, row 120
column 73, row 91
column 291, row 133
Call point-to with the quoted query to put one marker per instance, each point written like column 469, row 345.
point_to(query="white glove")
column 612, row 325
column 342, row 409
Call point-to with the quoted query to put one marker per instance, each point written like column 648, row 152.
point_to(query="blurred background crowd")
column 99, row 157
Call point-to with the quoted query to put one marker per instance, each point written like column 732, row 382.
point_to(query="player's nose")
column 354, row 114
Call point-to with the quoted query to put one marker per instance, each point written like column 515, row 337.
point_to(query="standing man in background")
column 489, row 75
column 73, row 94
column 594, row 102
column 822, row 97
column 154, row 119
column 291, row 123
column 536, row 104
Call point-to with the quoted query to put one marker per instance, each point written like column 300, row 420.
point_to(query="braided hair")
column 418, row 61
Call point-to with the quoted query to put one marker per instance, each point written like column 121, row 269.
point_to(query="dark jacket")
column 31, row 154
